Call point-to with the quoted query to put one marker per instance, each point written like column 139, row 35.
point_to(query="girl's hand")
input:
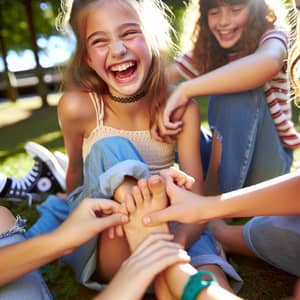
column 118, row 231
column 152, row 256
column 163, row 134
column 169, row 123
column 178, row 177
column 175, row 108
column 185, row 207
column 90, row 218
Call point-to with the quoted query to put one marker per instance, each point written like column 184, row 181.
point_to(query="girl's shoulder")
column 278, row 33
column 75, row 105
column 73, row 97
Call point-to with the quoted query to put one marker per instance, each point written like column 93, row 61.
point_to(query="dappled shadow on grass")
column 42, row 126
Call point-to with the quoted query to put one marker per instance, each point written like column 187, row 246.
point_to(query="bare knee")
column 7, row 219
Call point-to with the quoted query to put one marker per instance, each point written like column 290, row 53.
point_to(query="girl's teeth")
column 120, row 68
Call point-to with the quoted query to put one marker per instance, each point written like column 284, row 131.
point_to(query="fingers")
column 167, row 123
column 164, row 133
column 152, row 238
column 120, row 231
column 158, row 217
column 155, row 133
column 178, row 177
column 157, row 252
column 112, row 220
column 111, row 233
column 101, row 206
column 116, row 231
column 169, row 131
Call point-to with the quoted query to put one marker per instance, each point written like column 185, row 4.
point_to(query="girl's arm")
column 189, row 158
column 71, row 115
column 83, row 224
column 278, row 196
column 240, row 75
column 188, row 146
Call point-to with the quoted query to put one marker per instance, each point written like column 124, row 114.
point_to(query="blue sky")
column 54, row 51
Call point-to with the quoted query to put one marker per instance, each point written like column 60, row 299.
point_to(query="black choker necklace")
column 129, row 99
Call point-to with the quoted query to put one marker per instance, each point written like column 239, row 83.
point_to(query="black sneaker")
column 44, row 180
column 17, row 190
column 52, row 178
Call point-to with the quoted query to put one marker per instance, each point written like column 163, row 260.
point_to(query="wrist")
column 197, row 283
column 184, row 89
column 61, row 240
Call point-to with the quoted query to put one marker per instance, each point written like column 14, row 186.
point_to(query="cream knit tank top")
column 157, row 155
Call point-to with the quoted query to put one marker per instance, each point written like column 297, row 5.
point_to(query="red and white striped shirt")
column 276, row 91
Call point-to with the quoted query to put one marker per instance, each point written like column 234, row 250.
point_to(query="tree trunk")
column 41, row 88
column 12, row 92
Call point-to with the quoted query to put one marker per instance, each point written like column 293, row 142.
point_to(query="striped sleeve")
column 277, row 34
column 185, row 67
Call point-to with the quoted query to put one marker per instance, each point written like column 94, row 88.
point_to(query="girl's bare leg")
column 7, row 220
column 220, row 275
column 231, row 237
column 109, row 264
column 211, row 180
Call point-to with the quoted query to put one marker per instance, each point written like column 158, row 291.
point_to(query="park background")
column 32, row 57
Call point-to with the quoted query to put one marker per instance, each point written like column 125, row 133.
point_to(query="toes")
column 144, row 189
column 130, row 203
column 137, row 196
column 157, row 188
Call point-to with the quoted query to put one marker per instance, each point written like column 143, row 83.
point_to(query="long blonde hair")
column 155, row 24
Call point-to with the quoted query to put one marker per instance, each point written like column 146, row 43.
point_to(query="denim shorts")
column 205, row 252
column 276, row 240
column 252, row 151
column 30, row 286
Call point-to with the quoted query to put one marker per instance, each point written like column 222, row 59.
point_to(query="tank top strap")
column 98, row 105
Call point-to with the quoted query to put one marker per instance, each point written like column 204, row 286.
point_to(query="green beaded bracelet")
column 196, row 284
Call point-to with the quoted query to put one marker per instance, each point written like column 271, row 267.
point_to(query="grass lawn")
column 26, row 121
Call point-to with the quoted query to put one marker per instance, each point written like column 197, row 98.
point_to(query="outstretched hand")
column 185, row 207
column 90, row 218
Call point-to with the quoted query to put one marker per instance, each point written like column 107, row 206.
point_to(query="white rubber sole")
column 62, row 159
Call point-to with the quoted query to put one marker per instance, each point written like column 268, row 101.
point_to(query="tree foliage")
column 14, row 21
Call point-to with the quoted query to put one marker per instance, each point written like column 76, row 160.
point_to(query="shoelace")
column 20, row 185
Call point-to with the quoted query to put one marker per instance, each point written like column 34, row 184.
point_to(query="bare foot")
column 147, row 196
